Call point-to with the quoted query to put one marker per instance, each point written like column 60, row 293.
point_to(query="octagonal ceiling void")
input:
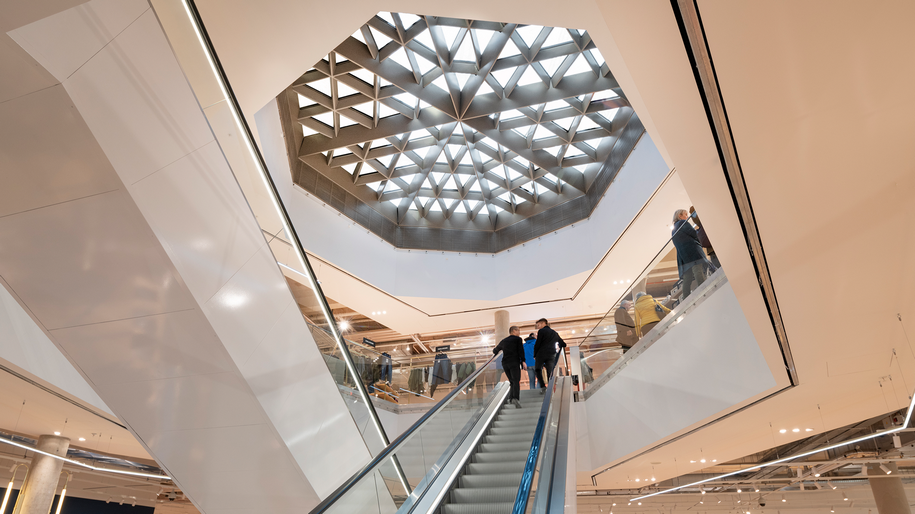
column 459, row 135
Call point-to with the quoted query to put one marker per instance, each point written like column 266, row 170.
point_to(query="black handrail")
column 391, row 448
column 527, row 476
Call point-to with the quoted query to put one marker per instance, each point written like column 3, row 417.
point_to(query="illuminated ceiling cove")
column 462, row 135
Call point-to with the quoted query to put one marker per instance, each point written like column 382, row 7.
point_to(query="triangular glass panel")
column 438, row 177
column 465, row 51
column 551, row 65
column 307, row 131
column 450, row 184
column 435, row 207
column 597, row 56
column 425, row 38
column 366, row 108
column 522, row 161
column 565, row 123
column 542, row 133
column 380, row 39
column 322, row 85
column 529, row 77
column 344, row 90
column 384, row 111
column 364, row 75
column 413, row 206
column 448, row 202
column 555, row 104
column 367, row 170
column 395, row 202
column 606, row 94
column 326, row 118
column 608, row 115
column 424, row 65
column 386, row 16
column 550, row 178
column 475, row 186
column 400, row 57
column 558, row 36
column 490, row 143
column 304, row 102
column 407, row 99
column 510, row 115
column 426, row 184
column 573, row 151
column 506, row 196
column 358, row 35
column 386, row 160
column 553, row 150
column 423, row 104
column 460, row 208
column 339, row 58
column 392, row 186
column 382, row 82
column 442, row 158
column 586, row 124
column 509, row 50
column 451, row 33
column 522, row 131
column 579, row 65
column 408, row 19
column 342, row 152
column 483, row 38
column 503, row 76
column 462, row 79
column 378, row 143
column 518, row 199
column 472, row 203
column 485, row 89
column 351, row 167
column 440, row 83
column 529, row 33
column 512, row 174
column 346, row 122
column 466, row 160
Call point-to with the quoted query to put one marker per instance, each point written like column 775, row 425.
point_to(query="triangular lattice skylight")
column 444, row 119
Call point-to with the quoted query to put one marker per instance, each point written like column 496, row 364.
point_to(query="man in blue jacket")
column 529, row 360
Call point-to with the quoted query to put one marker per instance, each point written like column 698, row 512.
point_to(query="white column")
column 889, row 495
column 40, row 486
column 502, row 324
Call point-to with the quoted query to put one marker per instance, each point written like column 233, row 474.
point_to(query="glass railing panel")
column 663, row 289
column 420, row 453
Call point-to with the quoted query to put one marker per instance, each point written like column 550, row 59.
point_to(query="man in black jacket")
column 512, row 348
column 545, row 352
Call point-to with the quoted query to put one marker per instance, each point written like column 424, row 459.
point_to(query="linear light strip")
column 277, row 207
column 786, row 459
column 83, row 464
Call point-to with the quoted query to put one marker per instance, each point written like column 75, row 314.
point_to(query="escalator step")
column 484, row 495
column 486, row 481
column 492, row 468
column 520, row 446
column 501, row 456
column 513, row 438
column 521, row 429
column 478, row 508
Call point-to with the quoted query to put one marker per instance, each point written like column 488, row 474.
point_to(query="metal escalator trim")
column 440, row 484
column 527, row 477
column 390, row 449
column 557, row 479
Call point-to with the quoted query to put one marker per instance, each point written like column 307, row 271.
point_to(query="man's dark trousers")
column 542, row 365
column 514, row 379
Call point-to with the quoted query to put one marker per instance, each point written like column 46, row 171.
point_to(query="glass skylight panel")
column 542, row 133
column 346, row 121
column 556, row 104
column 448, row 202
column 408, row 20
column 460, row 208
column 400, row 57
column 366, row 108
column 565, row 123
column 522, row 161
column 326, row 118
column 364, row 75
column 472, row 203
column 384, row 111
column 475, row 186
column 304, row 102
column 342, row 152
column 413, row 206
column 407, row 99
column 425, row 38
column 485, row 89
column 529, row 33
column 378, row 143
column 529, row 77
column 462, row 79
column 440, row 83
column 358, row 35
column 483, row 38
column 386, row 160
column 466, row 159
column 511, row 174
column 597, row 56
column 572, row 151
column 307, row 131
column 380, row 39
column 386, row 16
column 424, row 65
column 550, row 178
column 450, row 184
column 344, row 90
column 465, row 51
column 608, row 115
column 322, row 85
column 579, row 65
column 442, row 158
column 511, row 115
column 551, row 65
column 506, row 196
column 438, row 177
column 509, row 50
column 558, row 36
column 435, row 207
column 503, row 76
column 349, row 167
column 587, row 124
column 606, row 94
column 382, row 82
column 395, row 202
column 451, row 34
column 426, row 184
column 552, row 150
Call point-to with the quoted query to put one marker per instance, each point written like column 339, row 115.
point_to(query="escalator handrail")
column 527, row 477
column 390, row 449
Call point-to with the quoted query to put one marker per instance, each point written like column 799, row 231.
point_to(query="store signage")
column 368, row 342
column 445, row 348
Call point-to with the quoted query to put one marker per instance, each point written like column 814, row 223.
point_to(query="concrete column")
column 889, row 494
column 39, row 488
column 502, row 324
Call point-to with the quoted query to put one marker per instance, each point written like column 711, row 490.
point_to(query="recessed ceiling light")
column 782, row 431
column 702, row 461
column 82, row 438
column 808, row 430
column 795, row 429
column 384, row 312
column 56, row 433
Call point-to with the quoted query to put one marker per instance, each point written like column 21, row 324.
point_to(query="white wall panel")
column 708, row 363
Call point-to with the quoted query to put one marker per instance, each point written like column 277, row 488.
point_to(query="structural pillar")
column 39, row 488
column 889, row 494
column 502, row 324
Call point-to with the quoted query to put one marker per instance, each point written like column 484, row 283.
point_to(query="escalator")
column 472, row 453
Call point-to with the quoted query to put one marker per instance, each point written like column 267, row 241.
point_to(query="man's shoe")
column 542, row 390
column 517, row 404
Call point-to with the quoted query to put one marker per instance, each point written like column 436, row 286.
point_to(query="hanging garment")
column 441, row 370
column 386, row 368
column 415, row 382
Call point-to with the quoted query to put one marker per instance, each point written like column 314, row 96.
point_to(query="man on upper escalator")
column 545, row 352
column 512, row 348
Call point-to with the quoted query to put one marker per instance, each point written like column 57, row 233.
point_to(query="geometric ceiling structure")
column 460, row 135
